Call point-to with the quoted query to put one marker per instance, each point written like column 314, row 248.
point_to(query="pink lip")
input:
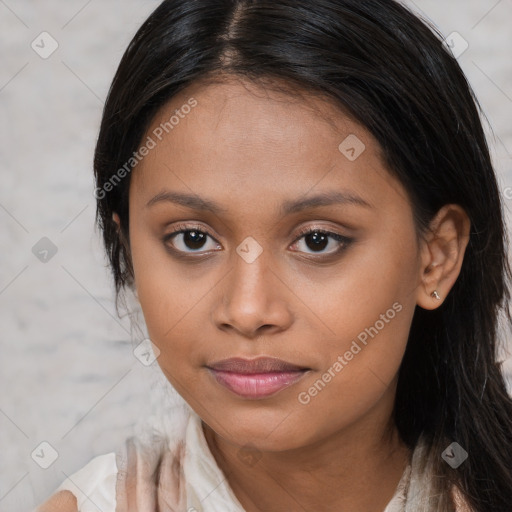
column 257, row 385
column 256, row 378
column 258, row 365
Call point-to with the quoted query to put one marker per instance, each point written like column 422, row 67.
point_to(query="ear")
column 126, row 248
column 117, row 220
column 120, row 234
column 442, row 253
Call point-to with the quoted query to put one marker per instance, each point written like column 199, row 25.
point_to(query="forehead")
column 271, row 112
column 242, row 140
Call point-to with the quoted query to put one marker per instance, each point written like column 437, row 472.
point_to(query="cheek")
column 172, row 298
column 159, row 292
column 376, row 273
column 367, row 310
column 360, row 369
column 364, row 356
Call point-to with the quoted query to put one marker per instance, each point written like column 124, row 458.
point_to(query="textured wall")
column 68, row 374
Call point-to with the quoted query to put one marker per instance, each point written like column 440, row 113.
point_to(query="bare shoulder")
column 96, row 481
column 62, row 501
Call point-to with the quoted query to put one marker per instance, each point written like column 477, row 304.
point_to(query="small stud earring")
column 435, row 295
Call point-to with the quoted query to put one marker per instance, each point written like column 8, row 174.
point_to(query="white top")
column 95, row 484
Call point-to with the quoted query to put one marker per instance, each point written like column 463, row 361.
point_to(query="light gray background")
column 68, row 373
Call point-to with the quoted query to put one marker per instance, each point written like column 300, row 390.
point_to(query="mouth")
column 256, row 378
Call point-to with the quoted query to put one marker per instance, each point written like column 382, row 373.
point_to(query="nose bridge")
column 251, row 295
column 249, row 281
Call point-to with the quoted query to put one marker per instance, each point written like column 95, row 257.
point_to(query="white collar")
column 206, row 485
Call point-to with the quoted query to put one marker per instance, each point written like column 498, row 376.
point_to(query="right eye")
column 189, row 240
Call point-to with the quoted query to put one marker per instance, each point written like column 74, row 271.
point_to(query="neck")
column 357, row 468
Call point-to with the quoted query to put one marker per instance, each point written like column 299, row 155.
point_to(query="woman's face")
column 249, row 173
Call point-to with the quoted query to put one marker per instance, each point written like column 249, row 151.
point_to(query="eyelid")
column 303, row 231
column 180, row 228
column 343, row 240
column 311, row 229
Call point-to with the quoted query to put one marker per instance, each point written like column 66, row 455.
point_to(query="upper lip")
column 259, row 365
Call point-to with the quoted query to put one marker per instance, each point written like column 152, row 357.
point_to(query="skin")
column 249, row 149
column 62, row 501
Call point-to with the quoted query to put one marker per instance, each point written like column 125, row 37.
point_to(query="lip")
column 258, row 365
column 256, row 378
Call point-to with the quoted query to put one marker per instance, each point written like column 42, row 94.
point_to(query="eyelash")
column 345, row 241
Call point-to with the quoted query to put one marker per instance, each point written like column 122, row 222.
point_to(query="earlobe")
column 435, row 295
column 430, row 293
column 442, row 254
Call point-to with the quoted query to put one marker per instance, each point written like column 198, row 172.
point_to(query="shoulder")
column 62, row 501
column 90, row 488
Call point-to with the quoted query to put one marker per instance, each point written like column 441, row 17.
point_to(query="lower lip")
column 256, row 385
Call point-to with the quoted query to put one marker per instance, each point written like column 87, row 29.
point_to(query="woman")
column 301, row 196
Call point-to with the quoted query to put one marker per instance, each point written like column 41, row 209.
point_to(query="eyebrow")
column 188, row 200
column 324, row 199
column 195, row 202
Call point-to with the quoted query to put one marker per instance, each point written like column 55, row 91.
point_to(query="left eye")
column 319, row 239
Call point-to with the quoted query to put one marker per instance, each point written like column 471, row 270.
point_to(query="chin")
column 266, row 429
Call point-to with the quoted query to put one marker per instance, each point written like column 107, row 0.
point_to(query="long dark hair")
column 390, row 70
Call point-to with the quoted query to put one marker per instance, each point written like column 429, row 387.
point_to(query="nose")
column 255, row 301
